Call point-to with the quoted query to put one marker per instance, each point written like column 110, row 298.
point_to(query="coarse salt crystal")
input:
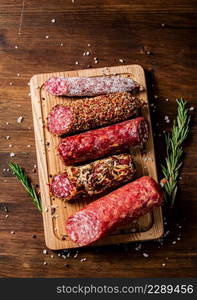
column 16, row 47
column 61, row 44
column 19, row 119
column 174, row 242
column 96, row 61
column 146, row 255
column 87, row 53
column 7, row 137
column 89, row 45
column 28, row 146
column 121, row 60
column 12, row 232
column 10, row 83
column 83, row 259
column 163, row 264
column 7, row 123
column 191, row 108
column 53, row 21
column 44, row 263
column 10, row 145
column 12, row 154
column 18, row 74
column 76, row 63
column 47, row 36
column 138, row 247
column 45, row 251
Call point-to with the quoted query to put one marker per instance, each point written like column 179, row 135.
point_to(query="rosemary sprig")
column 20, row 174
column 174, row 151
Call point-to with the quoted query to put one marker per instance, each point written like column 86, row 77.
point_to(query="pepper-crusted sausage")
column 103, row 141
column 94, row 178
column 89, row 86
column 119, row 207
column 89, row 113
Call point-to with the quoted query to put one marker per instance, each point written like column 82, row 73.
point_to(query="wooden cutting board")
column 55, row 211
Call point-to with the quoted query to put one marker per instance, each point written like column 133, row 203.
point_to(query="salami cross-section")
column 94, row 178
column 89, row 113
column 121, row 206
column 89, row 86
column 103, row 141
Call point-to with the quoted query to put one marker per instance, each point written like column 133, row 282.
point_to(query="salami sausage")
column 90, row 113
column 89, row 86
column 119, row 207
column 94, row 178
column 103, row 141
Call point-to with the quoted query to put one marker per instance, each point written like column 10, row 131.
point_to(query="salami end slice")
column 89, row 86
column 122, row 206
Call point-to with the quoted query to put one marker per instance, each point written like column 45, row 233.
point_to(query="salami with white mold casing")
column 122, row 206
column 89, row 113
column 94, row 178
column 89, row 86
column 105, row 141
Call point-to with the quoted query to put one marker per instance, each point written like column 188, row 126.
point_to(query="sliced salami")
column 94, row 178
column 89, row 86
column 89, row 113
column 103, row 141
column 122, row 206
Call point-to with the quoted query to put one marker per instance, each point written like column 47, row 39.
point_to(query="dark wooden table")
column 159, row 35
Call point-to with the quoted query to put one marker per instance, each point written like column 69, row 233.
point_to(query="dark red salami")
column 119, row 207
column 103, row 141
column 89, row 113
column 94, row 178
column 89, row 86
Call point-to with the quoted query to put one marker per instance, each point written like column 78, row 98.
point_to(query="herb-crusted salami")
column 121, row 206
column 94, row 178
column 103, row 141
column 90, row 113
column 89, row 86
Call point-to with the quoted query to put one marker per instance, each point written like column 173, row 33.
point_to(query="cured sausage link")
column 103, row 141
column 89, row 113
column 89, row 86
column 94, row 178
column 119, row 207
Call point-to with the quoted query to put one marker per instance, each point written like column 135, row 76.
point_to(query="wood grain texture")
column 49, row 163
column 165, row 30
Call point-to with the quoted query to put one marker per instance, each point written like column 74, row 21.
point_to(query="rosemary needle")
column 20, row 174
column 174, row 151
